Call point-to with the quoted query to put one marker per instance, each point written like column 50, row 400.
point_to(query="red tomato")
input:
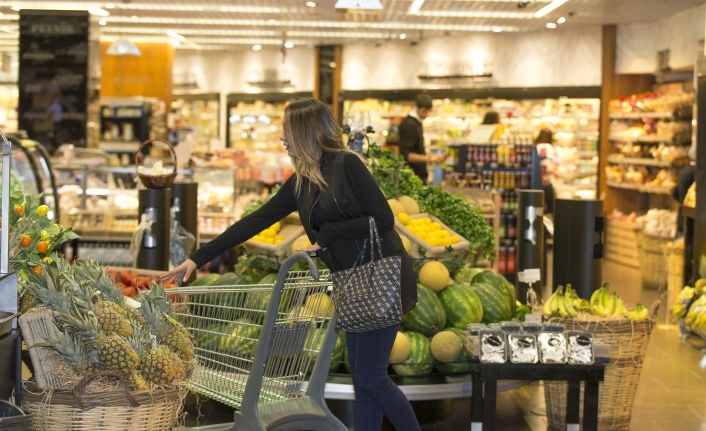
column 127, row 291
column 113, row 275
column 128, row 276
column 142, row 283
column 169, row 285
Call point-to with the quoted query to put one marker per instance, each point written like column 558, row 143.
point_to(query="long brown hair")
column 310, row 130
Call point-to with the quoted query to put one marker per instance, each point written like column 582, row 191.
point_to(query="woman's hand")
column 181, row 272
column 311, row 248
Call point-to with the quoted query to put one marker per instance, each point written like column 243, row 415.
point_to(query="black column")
column 185, row 197
column 530, row 241
column 699, row 246
column 154, row 250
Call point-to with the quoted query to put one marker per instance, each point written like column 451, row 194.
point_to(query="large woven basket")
column 156, row 181
column 109, row 410
column 628, row 340
column 652, row 265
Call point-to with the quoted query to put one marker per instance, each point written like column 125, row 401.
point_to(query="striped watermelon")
column 242, row 340
column 428, row 317
column 461, row 305
column 495, row 306
column 495, row 279
column 206, row 280
column 420, row 360
column 336, row 356
column 465, row 275
column 463, row 364
column 229, row 279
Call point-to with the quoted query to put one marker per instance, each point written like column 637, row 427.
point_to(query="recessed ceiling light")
column 561, row 20
column 288, row 44
column 415, row 7
column 271, row 20
column 15, row 8
column 256, row 47
column 332, row 65
column 311, row 4
column 174, row 42
column 497, row 29
column 98, row 11
column 102, row 22
column 403, row 36
column 110, row 6
column 134, row 17
column 551, row 25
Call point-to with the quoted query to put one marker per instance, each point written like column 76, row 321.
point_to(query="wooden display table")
column 486, row 382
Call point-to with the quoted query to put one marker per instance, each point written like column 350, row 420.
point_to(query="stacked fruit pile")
column 98, row 328
column 431, row 335
column 688, row 308
column 269, row 235
column 566, row 303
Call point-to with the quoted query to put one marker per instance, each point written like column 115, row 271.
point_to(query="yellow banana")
column 609, row 306
column 619, row 307
column 548, row 306
column 562, row 306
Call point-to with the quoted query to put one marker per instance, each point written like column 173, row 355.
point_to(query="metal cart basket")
column 255, row 344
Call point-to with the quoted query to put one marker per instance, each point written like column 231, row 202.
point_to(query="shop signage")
column 53, row 76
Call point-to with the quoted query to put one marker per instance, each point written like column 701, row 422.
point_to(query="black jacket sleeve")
column 282, row 204
column 370, row 198
column 408, row 138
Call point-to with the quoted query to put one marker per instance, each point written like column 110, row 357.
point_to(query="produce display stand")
column 483, row 409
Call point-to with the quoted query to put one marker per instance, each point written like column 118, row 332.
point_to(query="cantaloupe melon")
column 411, row 206
column 320, row 303
column 400, row 350
column 434, row 275
column 301, row 242
column 395, row 206
column 407, row 243
column 446, row 346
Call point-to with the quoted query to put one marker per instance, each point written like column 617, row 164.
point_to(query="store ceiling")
column 224, row 24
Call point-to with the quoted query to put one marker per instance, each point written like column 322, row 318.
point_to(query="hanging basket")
column 628, row 340
column 116, row 409
column 156, row 181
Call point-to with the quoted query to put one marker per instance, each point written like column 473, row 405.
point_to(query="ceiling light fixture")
column 102, row 22
column 256, row 47
column 548, row 8
column 475, row 14
column 110, row 6
column 134, row 17
column 403, row 36
column 561, row 20
column 332, row 65
column 123, row 47
column 497, row 29
column 174, row 42
column 16, row 8
column 415, row 7
column 98, row 11
column 288, row 44
column 551, row 25
column 311, row 4
column 176, row 35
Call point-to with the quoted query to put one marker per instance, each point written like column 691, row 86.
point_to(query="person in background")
column 491, row 117
column 544, row 144
column 335, row 194
column 684, row 181
column 411, row 141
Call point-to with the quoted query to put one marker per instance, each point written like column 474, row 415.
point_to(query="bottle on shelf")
column 502, row 259
column 510, row 265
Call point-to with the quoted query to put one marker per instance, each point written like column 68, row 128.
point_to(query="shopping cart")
column 254, row 345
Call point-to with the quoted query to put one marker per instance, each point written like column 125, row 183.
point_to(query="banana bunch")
column 559, row 305
column 696, row 317
column 683, row 301
column 639, row 312
column 579, row 304
column 606, row 305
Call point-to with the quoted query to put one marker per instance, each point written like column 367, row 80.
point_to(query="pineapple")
column 177, row 338
column 113, row 351
column 113, row 318
column 140, row 339
column 138, row 381
column 70, row 349
column 135, row 318
column 159, row 366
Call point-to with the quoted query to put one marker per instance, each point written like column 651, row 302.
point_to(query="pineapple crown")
column 140, row 339
column 49, row 290
column 70, row 349
column 84, row 325
column 153, row 316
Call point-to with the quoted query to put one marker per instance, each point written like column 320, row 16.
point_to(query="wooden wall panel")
column 614, row 86
column 149, row 75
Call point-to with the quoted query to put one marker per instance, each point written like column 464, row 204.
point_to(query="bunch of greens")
column 251, row 208
column 396, row 178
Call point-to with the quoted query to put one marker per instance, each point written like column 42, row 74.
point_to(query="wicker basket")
column 37, row 327
column 652, row 264
column 628, row 340
column 674, row 256
column 156, row 181
column 110, row 410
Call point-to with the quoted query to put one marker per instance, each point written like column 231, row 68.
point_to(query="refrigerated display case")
column 198, row 112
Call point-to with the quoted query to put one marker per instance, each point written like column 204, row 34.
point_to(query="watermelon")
column 465, row 275
column 461, row 305
column 210, row 337
column 206, row 280
column 229, row 279
column 420, row 360
column 336, row 356
column 428, row 317
column 268, row 279
column 242, row 340
column 495, row 306
column 495, row 279
column 463, row 364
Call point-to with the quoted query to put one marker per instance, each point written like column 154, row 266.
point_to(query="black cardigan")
column 350, row 196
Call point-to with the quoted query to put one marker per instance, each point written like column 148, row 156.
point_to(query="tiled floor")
column 671, row 395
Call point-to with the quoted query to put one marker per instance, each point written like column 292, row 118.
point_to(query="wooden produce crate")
column 620, row 243
column 291, row 230
column 459, row 248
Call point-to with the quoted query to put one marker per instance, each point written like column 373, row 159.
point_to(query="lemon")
column 444, row 234
column 268, row 233
column 279, row 237
column 277, row 241
column 434, row 275
column 276, row 227
column 425, row 220
column 403, row 218
column 269, row 241
column 454, row 239
column 258, row 238
column 433, row 242
column 435, row 226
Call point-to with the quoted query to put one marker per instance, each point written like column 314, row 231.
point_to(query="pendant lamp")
column 123, row 47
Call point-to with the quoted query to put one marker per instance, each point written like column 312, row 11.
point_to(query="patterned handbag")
column 369, row 297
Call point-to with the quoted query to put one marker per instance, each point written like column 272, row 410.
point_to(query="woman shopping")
column 335, row 196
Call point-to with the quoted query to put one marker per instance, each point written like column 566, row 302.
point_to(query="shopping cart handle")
column 296, row 257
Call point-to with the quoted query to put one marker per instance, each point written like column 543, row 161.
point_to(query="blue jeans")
column 375, row 393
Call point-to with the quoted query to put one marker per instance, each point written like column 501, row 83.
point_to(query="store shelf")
column 641, row 188
column 643, row 139
column 586, row 153
column 616, row 158
column 638, row 115
column 119, row 147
